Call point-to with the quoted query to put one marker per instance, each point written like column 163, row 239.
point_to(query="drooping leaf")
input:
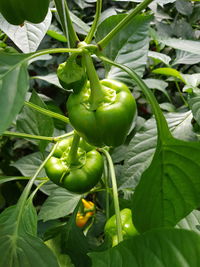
column 29, row 164
column 50, row 78
column 191, row 222
column 28, row 36
column 142, row 147
column 170, row 188
column 75, row 244
column 5, row 179
column 185, row 45
column 33, row 122
column 163, row 247
column 129, row 46
column 183, row 57
column 59, row 204
column 159, row 57
column 14, row 84
column 169, row 72
column 18, row 244
column 157, row 84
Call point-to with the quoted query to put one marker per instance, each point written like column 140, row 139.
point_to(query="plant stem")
column 107, row 190
column 68, row 29
column 115, row 195
column 54, row 51
column 22, row 200
column 181, row 95
column 102, row 43
column 37, row 137
column 47, row 112
column 97, row 94
column 162, row 126
column 28, row 136
column 93, row 28
column 61, row 137
column 73, row 150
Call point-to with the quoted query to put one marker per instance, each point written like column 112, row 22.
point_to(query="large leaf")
column 191, row 222
column 75, row 244
column 14, row 84
column 29, row 164
column 169, row 72
column 28, row 36
column 170, row 188
column 18, row 244
column 183, row 57
column 159, row 57
column 158, row 248
column 59, row 204
column 185, row 45
column 142, row 147
column 32, row 122
column 129, row 46
column 5, row 179
column 50, row 78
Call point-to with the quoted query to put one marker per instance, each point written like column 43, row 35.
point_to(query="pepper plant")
column 118, row 191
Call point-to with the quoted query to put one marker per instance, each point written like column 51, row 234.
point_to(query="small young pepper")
column 110, row 122
column 80, row 176
column 72, row 75
column 85, row 213
column 128, row 229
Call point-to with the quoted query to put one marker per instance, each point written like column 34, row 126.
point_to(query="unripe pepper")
column 80, row 176
column 17, row 11
column 71, row 75
column 128, row 229
column 112, row 119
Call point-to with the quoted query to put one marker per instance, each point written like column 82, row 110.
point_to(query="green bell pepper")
column 17, row 11
column 80, row 176
column 128, row 229
column 112, row 119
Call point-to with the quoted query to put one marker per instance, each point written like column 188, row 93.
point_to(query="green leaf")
column 185, row 45
column 157, row 84
column 191, row 222
column 192, row 80
column 18, row 244
column 170, row 188
column 75, row 244
column 14, row 84
column 63, row 259
column 183, row 57
column 50, row 78
column 169, row 72
column 29, row 164
column 4, row 179
column 184, row 7
column 31, row 121
column 158, row 248
column 141, row 149
column 59, row 204
column 29, row 36
column 80, row 26
column 159, row 57
column 56, row 33
column 129, row 46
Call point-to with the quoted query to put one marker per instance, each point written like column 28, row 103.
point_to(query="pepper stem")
column 119, row 237
column 97, row 94
column 73, row 150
